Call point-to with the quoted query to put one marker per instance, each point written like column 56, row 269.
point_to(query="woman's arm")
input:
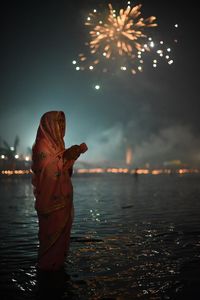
column 74, row 151
column 70, row 171
column 71, row 154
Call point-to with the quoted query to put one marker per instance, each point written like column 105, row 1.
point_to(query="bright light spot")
column 98, row 33
column 100, row 22
column 161, row 42
column 152, row 44
column 16, row 156
column 176, row 25
column 88, row 18
column 139, row 56
column 123, row 68
column 155, row 61
column 74, row 62
column 104, row 54
column 168, row 49
column 94, row 10
column 141, row 61
column 161, row 54
column 140, row 68
column 91, row 67
column 150, row 39
column 154, row 65
column 77, row 68
column 170, row 62
column 97, row 87
column 27, row 158
column 2, row 156
column 12, row 148
column 167, row 56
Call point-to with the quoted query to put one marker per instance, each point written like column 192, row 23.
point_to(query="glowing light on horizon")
column 129, row 156
column 141, row 171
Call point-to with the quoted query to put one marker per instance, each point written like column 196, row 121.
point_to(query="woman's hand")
column 83, row 147
column 72, row 153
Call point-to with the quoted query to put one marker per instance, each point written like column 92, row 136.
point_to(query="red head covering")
column 47, row 156
column 52, row 130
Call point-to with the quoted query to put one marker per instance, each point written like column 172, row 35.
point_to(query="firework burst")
column 120, row 34
column 120, row 40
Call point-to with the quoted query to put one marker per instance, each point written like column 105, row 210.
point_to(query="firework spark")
column 121, row 38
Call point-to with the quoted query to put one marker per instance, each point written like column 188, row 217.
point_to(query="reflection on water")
column 132, row 238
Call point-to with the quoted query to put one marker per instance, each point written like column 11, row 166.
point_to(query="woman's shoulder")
column 40, row 148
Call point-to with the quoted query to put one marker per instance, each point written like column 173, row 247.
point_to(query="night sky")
column 155, row 112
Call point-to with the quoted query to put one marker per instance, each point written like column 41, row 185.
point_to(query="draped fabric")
column 53, row 191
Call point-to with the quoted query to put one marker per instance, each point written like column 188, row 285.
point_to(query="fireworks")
column 120, row 34
column 120, row 40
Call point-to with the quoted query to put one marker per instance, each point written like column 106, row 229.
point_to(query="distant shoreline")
column 92, row 174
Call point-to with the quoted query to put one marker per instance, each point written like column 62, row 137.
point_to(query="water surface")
column 132, row 238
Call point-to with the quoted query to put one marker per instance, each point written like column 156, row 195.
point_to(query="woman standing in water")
column 52, row 169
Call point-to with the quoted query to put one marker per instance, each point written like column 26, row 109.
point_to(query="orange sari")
column 53, row 192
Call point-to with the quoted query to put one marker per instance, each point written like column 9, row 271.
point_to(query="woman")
column 52, row 168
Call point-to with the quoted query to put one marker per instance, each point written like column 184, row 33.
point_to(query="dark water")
column 132, row 238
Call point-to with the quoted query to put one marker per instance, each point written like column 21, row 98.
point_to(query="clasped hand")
column 74, row 151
